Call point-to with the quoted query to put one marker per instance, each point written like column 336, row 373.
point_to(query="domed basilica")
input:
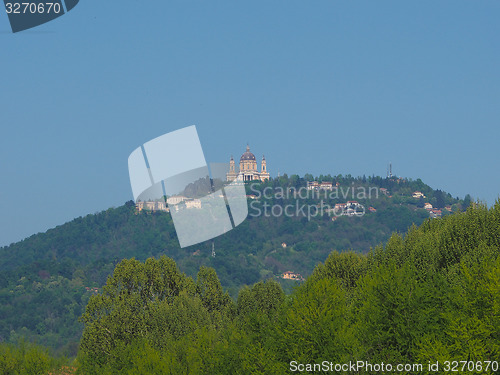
column 248, row 168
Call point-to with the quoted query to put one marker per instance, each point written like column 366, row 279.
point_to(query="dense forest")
column 47, row 280
column 431, row 295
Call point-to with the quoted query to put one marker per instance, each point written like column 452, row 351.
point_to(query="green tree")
column 123, row 312
column 315, row 323
column 467, row 202
column 439, row 196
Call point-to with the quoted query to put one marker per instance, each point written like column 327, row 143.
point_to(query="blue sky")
column 317, row 86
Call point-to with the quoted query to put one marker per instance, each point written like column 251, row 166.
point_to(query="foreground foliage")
column 432, row 295
column 29, row 359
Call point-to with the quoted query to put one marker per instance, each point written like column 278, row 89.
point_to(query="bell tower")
column 231, row 165
column 231, row 175
column 264, row 175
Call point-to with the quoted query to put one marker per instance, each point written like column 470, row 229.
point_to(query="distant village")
column 161, row 205
column 248, row 171
column 350, row 208
column 433, row 212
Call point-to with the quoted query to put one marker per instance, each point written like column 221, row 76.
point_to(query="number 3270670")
column 32, row 8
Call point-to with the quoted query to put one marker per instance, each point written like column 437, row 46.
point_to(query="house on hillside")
column 315, row 185
column 312, row 185
column 289, row 275
column 176, row 199
column 193, row 203
column 351, row 208
column 151, row 206
column 434, row 213
column 418, row 195
column 428, row 206
column 353, row 204
column 325, row 185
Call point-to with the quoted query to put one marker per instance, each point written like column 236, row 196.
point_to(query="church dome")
column 247, row 156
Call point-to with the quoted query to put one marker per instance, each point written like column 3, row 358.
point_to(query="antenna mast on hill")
column 213, row 249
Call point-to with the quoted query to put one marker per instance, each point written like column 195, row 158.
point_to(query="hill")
column 47, row 279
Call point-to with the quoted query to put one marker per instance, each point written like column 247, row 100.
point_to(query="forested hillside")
column 430, row 295
column 47, row 279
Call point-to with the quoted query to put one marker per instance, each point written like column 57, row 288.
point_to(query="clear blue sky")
column 317, row 86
